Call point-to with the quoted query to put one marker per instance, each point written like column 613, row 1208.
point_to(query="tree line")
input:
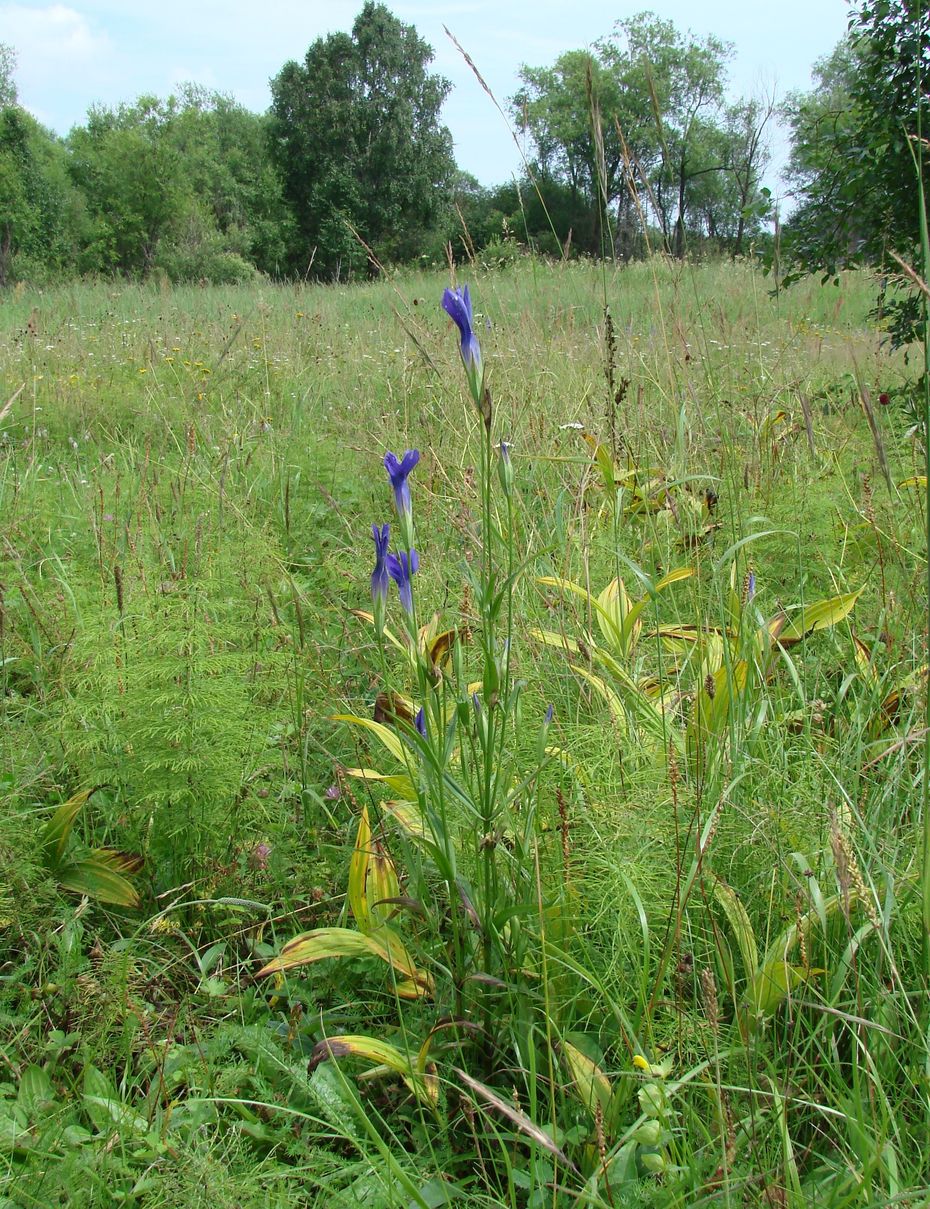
column 632, row 146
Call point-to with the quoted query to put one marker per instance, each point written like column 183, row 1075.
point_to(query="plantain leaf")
column 589, row 1081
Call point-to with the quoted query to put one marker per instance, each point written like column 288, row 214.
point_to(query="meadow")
column 593, row 876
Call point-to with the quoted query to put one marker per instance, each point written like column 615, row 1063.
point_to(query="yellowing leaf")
column 96, row 878
column 590, row 1082
column 736, row 913
column 323, row 943
column 775, row 982
column 819, row 616
column 383, row 886
column 398, row 782
column 358, row 874
column 58, row 828
column 387, row 736
column 424, row 1086
column 559, row 640
column 407, row 814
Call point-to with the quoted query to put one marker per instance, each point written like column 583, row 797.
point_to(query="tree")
column 856, row 141
column 130, row 173
column 357, row 139
column 8, row 94
column 684, row 84
column 37, row 204
column 571, row 111
column 637, row 126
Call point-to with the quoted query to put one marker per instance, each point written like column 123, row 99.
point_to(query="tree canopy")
column 357, row 138
column 857, row 146
column 639, row 128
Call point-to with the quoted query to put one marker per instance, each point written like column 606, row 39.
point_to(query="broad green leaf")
column 96, row 878
column 742, row 927
column 58, row 829
column 35, row 1090
column 819, row 616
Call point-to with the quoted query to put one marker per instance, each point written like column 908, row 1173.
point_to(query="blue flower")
column 379, row 577
column 457, row 303
column 402, row 569
column 398, row 472
column 420, row 722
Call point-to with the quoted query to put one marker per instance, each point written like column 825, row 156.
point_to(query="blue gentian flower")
column 379, row 577
column 420, row 722
column 457, row 303
column 550, row 712
column 398, row 472
column 401, row 569
column 751, row 585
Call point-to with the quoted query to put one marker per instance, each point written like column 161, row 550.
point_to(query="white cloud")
column 57, row 50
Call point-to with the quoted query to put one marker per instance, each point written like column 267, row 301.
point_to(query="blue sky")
column 74, row 54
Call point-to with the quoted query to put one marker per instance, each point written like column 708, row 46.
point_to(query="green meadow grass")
column 187, row 481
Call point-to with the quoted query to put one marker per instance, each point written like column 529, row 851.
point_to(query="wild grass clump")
column 559, row 845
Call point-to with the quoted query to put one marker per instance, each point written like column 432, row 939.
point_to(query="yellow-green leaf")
column 58, row 829
column 96, row 878
column 590, row 1082
column 775, row 982
column 358, row 874
column 383, row 1055
column 323, row 943
column 559, row 640
column 384, row 733
column 819, row 616
column 398, row 782
column 742, row 927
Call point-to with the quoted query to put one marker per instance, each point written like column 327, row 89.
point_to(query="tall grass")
column 664, row 950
